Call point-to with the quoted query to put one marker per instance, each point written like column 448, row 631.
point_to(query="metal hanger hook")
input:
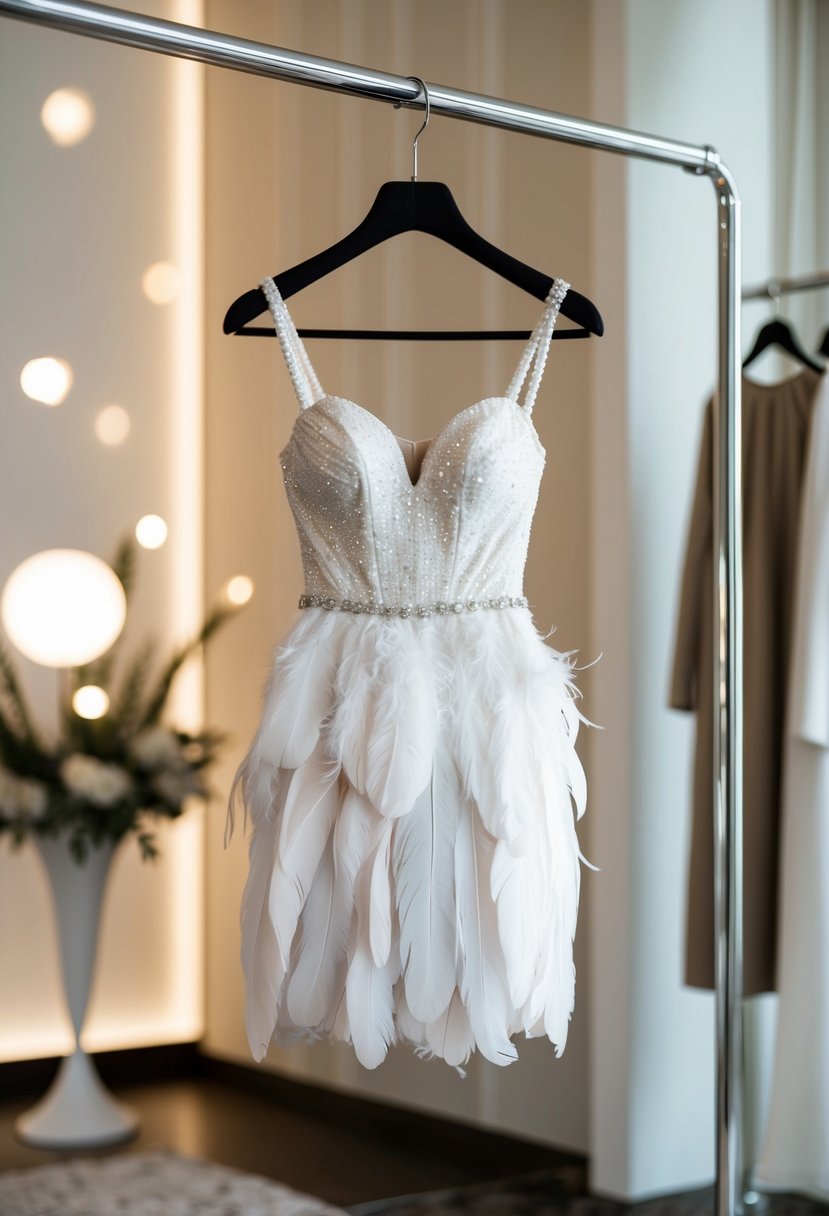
column 424, row 124
column 775, row 293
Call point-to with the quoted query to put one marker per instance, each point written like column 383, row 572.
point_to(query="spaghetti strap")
column 535, row 354
column 303, row 377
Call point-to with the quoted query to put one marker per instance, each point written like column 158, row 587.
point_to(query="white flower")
column 32, row 799
column 22, row 797
column 175, row 785
column 89, row 778
column 156, row 747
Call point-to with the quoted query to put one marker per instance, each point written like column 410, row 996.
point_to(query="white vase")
column 77, row 1110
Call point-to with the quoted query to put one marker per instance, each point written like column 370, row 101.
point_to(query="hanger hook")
column 423, row 125
column 775, row 293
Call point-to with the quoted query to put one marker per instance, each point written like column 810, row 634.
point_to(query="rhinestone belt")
column 439, row 609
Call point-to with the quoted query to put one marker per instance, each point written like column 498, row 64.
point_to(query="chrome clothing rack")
column 239, row 54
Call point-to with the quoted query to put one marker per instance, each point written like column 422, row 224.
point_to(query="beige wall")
column 78, row 227
column 700, row 71
column 288, row 172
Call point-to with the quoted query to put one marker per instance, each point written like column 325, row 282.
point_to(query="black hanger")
column 405, row 207
column 823, row 349
column 780, row 333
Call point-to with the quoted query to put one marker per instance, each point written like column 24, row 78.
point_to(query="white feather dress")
column 413, row 785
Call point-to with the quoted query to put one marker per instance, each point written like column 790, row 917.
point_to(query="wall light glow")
column 151, row 531
column 169, row 958
column 112, row 425
column 47, row 380
column 160, row 283
column 68, row 116
column 239, row 589
column 63, row 607
column 90, row 702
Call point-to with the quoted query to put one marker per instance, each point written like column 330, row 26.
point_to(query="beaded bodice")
column 371, row 538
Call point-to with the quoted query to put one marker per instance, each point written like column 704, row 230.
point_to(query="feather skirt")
column 412, row 790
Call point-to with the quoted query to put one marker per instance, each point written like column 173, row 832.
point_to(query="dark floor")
column 336, row 1159
column 543, row 1195
column 375, row 1161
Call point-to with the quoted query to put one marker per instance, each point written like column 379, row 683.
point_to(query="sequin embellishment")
column 440, row 608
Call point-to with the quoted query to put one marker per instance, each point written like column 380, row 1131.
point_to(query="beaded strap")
column 538, row 347
column 440, row 608
column 303, row 377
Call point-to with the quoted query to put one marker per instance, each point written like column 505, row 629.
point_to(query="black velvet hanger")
column 405, row 207
column 780, row 333
column 413, row 206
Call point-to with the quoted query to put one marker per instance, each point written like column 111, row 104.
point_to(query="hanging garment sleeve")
column 809, row 672
column 692, row 602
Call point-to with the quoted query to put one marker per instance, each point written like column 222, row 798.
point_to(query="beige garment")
column 776, row 422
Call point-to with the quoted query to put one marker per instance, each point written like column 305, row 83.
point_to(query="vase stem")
column 77, row 1110
column 78, row 893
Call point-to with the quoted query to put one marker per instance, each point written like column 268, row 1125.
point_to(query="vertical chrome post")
column 728, row 719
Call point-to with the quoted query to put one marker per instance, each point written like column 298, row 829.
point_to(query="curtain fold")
column 801, row 139
column 795, row 1153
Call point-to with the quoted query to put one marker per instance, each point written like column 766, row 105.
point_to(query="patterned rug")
column 149, row 1184
column 166, row 1184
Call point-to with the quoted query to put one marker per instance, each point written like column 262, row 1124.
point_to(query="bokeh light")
column 63, row 607
column 151, row 531
column 90, row 702
column 68, row 116
column 239, row 589
column 112, row 425
column 160, row 283
column 47, row 380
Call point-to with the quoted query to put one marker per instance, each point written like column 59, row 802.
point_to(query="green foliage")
column 125, row 710
column 12, row 697
column 158, row 700
column 100, row 671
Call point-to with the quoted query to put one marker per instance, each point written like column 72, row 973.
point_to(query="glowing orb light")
column 90, row 702
column 160, row 283
column 239, row 589
column 68, row 116
column 63, row 607
column 46, row 380
column 112, row 425
column 151, row 531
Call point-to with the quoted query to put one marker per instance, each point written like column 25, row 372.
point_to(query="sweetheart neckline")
column 409, row 448
column 433, row 440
